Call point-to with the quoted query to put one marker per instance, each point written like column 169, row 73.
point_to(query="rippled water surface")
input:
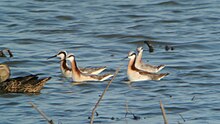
column 101, row 33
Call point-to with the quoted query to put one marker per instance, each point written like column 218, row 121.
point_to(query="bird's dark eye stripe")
column 61, row 53
column 132, row 54
column 70, row 56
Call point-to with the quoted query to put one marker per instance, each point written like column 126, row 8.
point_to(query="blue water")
column 101, row 33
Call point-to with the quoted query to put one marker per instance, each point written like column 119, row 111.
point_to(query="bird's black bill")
column 52, row 57
column 124, row 58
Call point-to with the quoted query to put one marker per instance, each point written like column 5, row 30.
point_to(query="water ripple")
column 100, row 33
column 169, row 3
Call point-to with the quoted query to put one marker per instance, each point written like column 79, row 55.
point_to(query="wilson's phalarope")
column 67, row 71
column 135, row 74
column 78, row 76
column 92, row 70
column 26, row 84
column 146, row 67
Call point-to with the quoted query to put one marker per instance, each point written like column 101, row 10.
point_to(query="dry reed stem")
column 103, row 93
column 182, row 117
column 126, row 108
column 41, row 113
column 163, row 112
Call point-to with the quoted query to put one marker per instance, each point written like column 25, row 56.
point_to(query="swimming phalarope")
column 67, row 71
column 146, row 67
column 78, row 76
column 135, row 74
column 26, row 84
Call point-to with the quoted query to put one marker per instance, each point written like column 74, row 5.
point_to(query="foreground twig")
column 163, row 112
column 129, row 112
column 103, row 93
column 182, row 117
column 41, row 113
column 126, row 108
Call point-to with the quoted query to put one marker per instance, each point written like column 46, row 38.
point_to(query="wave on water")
column 168, row 3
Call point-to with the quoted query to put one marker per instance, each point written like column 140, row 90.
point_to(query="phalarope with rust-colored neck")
column 78, row 76
column 143, row 66
column 67, row 71
column 135, row 74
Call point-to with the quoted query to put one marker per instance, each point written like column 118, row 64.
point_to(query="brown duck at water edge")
column 26, row 84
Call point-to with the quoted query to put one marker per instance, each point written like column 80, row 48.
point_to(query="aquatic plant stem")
column 41, row 113
column 163, row 113
column 103, row 93
column 126, row 108
column 150, row 46
column 182, row 117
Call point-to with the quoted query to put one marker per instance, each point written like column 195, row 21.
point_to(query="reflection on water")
column 101, row 34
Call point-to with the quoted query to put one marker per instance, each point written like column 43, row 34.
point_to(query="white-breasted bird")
column 78, row 76
column 135, row 74
column 143, row 66
column 67, row 71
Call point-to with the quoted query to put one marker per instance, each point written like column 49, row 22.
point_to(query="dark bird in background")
column 150, row 46
column 2, row 53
